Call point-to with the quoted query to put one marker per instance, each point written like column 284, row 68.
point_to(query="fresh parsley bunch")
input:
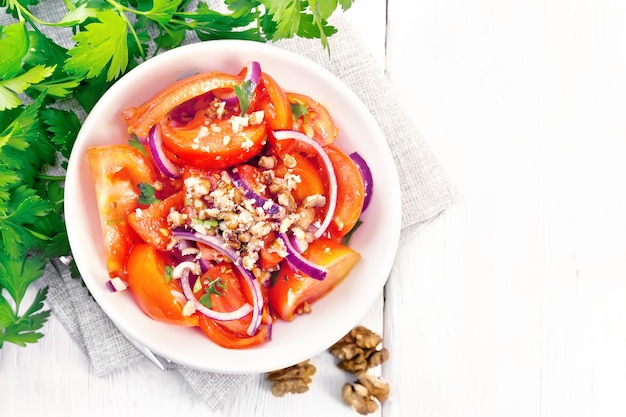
column 39, row 77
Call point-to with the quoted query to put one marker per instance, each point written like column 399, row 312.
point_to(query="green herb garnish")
column 244, row 93
column 348, row 236
column 169, row 270
column 217, row 287
column 207, row 224
column 298, row 110
column 147, row 194
column 135, row 143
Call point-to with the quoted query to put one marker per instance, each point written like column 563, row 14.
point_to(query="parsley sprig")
column 40, row 79
column 217, row 287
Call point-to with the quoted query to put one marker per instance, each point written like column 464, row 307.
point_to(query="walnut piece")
column 294, row 379
column 359, row 350
column 376, row 386
column 366, row 393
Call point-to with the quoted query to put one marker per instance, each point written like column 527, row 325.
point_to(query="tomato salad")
column 230, row 206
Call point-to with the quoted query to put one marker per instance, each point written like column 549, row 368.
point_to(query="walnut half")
column 366, row 393
column 293, row 379
column 359, row 350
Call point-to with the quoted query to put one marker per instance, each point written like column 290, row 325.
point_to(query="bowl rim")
column 392, row 220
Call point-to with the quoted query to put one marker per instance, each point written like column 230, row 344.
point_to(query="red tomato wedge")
column 229, row 340
column 273, row 101
column 142, row 118
column 117, row 170
column 223, row 287
column 291, row 290
column 350, row 191
column 317, row 122
column 152, row 290
column 310, row 180
column 151, row 223
column 212, row 145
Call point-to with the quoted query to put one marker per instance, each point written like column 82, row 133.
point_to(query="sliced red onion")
column 268, row 205
column 189, row 266
column 332, row 178
column 253, row 73
column 155, row 144
column 179, row 296
column 297, row 246
column 184, row 269
column 300, row 263
column 366, row 174
column 116, row 284
column 205, row 264
column 218, row 243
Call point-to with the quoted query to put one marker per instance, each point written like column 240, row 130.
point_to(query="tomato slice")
column 214, row 145
column 151, row 223
column 117, row 170
column 311, row 181
column 273, row 101
column 292, row 290
column 226, row 291
column 229, row 340
column 152, row 290
column 223, row 287
column 350, row 191
column 142, row 118
column 317, row 123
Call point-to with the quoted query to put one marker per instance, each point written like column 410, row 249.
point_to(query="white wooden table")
column 509, row 304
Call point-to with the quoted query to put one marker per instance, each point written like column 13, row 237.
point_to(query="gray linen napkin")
column 426, row 192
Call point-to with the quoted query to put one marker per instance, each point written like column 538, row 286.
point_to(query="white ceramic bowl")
column 376, row 240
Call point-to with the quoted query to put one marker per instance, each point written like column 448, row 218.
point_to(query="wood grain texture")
column 512, row 303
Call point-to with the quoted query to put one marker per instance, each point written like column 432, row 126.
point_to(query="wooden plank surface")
column 512, row 303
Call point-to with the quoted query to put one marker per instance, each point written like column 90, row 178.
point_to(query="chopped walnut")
column 294, row 379
column 366, row 393
column 359, row 350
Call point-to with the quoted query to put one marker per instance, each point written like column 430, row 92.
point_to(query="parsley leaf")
column 17, row 218
column 286, row 15
column 63, row 125
column 77, row 15
column 244, row 93
column 135, row 143
column 16, row 275
column 217, row 287
column 348, row 236
column 102, row 44
column 298, row 110
column 14, row 45
column 147, row 195
column 11, row 87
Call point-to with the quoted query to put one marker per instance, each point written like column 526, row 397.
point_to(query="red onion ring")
column 268, row 205
column 366, row 174
column 300, row 263
column 186, row 268
column 253, row 74
column 155, row 144
column 294, row 243
column 218, row 243
column 332, row 178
